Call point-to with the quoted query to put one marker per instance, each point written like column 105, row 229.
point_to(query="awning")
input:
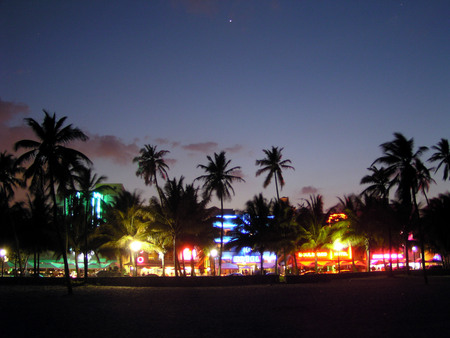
column 230, row 266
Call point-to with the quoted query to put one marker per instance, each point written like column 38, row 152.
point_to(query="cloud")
column 239, row 173
column 164, row 141
column 205, row 147
column 234, row 149
column 8, row 110
column 108, row 147
column 10, row 135
column 309, row 190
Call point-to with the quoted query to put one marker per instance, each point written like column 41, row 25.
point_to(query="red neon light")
column 140, row 259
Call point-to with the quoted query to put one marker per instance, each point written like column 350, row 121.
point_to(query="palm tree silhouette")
column 52, row 162
column 315, row 233
column 442, row 154
column 409, row 174
column 127, row 221
column 8, row 175
column 380, row 182
column 255, row 227
column 273, row 165
column 151, row 163
column 219, row 178
column 88, row 183
column 180, row 214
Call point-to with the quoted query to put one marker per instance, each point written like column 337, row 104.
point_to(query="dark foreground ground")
column 398, row 306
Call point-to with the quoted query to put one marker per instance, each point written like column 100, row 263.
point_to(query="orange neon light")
column 330, row 255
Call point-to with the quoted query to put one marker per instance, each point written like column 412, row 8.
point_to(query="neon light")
column 246, row 259
column 140, row 259
column 386, row 256
column 312, row 254
column 246, row 250
column 226, row 239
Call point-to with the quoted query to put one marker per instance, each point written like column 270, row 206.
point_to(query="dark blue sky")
column 327, row 80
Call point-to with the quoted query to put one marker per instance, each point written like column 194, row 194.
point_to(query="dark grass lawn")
column 398, row 306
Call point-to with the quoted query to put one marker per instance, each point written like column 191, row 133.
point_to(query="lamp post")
column 338, row 247
column 2, row 255
column 135, row 248
column 414, row 249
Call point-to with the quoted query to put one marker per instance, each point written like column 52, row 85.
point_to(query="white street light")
column 135, row 247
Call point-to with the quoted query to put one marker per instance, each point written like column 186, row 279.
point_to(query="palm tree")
column 88, row 183
column 405, row 165
column 273, row 165
column 380, row 186
column 181, row 215
column 9, row 180
column 442, row 155
column 151, row 163
column 52, row 162
column 380, row 183
column 366, row 217
column 436, row 217
column 9, row 171
column 219, row 178
column 254, row 227
column 127, row 221
column 316, row 234
column 286, row 233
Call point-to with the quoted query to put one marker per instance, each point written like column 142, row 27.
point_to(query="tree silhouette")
column 273, row 166
column 219, row 178
column 52, row 163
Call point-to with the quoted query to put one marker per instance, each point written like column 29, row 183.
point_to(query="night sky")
column 327, row 80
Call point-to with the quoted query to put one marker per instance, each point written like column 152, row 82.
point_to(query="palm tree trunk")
column 421, row 237
column 60, row 238
column 262, row 262
column 175, row 260
column 276, row 187
column 296, row 265
column 221, row 236
column 86, row 241
column 16, row 239
column 368, row 254
column 192, row 264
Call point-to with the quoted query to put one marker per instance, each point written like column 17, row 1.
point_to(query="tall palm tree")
column 151, row 163
column 442, row 155
column 364, row 225
column 181, row 215
column 401, row 158
column 52, row 162
column 88, row 183
column 380, row 182
column 436, row 218
column 286, row 233
column 380, row 186
column 127, row 221
column 219, row 178
column 273, row 165
column 316, row 234
column 254, row 227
